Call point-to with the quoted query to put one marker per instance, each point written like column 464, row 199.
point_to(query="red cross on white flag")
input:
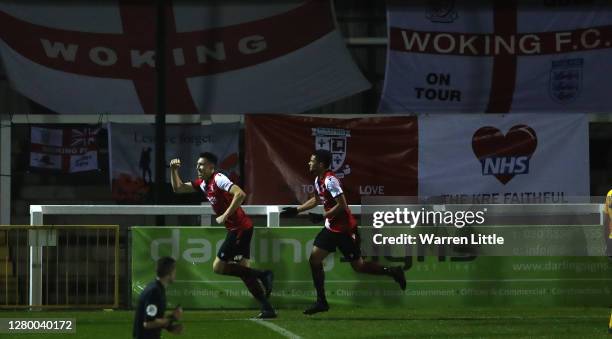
column 279, row 57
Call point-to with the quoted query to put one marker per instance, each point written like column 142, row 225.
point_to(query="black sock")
column 369, row 267
column 240, row 271
column 318, row 278
column 257, row 290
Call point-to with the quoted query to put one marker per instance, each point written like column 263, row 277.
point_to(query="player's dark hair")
column 165, row 265
column 323, row 156
column 210, row 157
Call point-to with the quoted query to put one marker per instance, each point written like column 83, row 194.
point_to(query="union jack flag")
column 84, row 137
column 67, row 150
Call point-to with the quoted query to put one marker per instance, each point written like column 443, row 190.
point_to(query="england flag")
column 502, row 56
column 279, row 57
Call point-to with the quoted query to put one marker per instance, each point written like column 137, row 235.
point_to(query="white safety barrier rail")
column 37, row 212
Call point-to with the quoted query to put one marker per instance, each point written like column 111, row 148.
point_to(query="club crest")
column 442, row 11
column 334, row 140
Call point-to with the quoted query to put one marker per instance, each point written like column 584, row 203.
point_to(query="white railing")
column 37, row 212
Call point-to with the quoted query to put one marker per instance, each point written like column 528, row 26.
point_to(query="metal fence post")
column 273, row 216
column 35, row 293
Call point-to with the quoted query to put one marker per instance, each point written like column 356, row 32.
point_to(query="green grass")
column 345, row 322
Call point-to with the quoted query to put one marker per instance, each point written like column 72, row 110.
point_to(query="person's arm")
column 156, row 323
column 178, row 186
column 340, row 206
column 293, row 211
column 167, row 322
column 237, row 199
column 153, row 317
column 308, row 205
column 333, row 186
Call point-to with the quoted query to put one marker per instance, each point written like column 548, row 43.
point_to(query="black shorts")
column 328, row 240
column 237, row 246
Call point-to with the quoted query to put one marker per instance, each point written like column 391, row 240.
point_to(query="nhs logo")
column 505, row 165
column 504, row 155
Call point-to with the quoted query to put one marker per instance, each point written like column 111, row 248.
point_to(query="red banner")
column 371, row 156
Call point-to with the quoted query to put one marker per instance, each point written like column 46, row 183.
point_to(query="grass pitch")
column 350, row 322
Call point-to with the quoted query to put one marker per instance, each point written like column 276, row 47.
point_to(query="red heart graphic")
column 521, row 140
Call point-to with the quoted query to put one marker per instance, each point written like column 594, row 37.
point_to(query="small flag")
column 67, row 150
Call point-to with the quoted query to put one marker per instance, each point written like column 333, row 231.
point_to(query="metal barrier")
column 79, row 266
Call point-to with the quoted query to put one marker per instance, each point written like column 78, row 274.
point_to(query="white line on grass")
column 284, row 332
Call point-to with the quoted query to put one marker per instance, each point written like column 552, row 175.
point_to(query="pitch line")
column 282, row 331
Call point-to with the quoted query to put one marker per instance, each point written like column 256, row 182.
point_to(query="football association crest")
column 335, row 141
column 565, row 83
column 442, row 11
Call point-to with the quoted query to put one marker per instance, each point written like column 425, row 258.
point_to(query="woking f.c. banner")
column 370, row 156
column 67, row 150
column 280, row 57
column 498, row 56
column 511, row 158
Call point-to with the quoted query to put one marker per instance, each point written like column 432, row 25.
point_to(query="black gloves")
column 289, row 212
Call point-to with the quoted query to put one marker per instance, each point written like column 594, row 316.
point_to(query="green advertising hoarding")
column 451, row 281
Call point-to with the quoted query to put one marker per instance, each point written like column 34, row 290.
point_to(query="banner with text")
column 132, row 155
column 436, row 280
column 503, row 56
column 234, row 57
column 371, row 156
column 67, row 150
column 514, row 158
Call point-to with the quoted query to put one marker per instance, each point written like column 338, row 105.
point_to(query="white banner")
column 279, row 57
column 132, row 153
column 515, row 158
column 534, row 56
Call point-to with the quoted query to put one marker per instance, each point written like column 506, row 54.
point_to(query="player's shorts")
column 328, row 240
column 237, row 246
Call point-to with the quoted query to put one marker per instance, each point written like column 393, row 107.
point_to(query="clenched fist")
column 175, row 163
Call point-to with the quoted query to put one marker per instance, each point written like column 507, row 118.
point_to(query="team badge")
column 442, row 11
column 151, row 310
column 334, row 140
column 565, row 83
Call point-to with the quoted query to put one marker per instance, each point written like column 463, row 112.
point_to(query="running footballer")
column 226, row 198
column 340, row 230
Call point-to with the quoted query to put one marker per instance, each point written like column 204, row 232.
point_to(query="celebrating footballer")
column 340, row 230
column 234, row 254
